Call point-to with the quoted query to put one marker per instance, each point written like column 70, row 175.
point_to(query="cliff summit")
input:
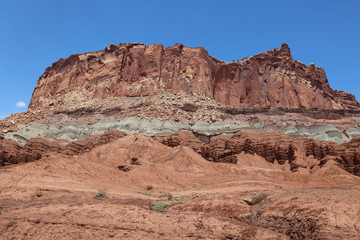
column 271, row 79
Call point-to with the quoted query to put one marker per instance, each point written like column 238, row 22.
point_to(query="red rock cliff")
column 267, row 79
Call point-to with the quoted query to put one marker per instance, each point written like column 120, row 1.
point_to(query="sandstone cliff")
column 268, row 79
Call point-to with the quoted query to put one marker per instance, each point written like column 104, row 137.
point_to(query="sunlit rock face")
column 271, row 79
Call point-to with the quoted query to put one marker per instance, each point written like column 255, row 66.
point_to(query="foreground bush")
column 159, row 206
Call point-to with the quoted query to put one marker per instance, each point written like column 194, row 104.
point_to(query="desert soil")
column 53, row 198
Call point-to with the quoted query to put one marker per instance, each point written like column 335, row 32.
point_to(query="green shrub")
column 149, row 187
column 159, row 206
column 100, row 194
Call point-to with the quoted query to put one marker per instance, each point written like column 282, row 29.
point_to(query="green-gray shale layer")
column 155, row 127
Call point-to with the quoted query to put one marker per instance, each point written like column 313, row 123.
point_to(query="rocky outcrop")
column 126, row 70
column 268, row 79
column 185, row 138
column 346, row 154
column 9, row 152
column 12, row 152
column 79, row 99
column 273, row 147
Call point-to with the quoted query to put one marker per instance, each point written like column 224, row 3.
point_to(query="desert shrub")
column 100, row 194
column 149, row 187
column 258, row 203
column 169, row 196
column 259, row 198
column 159, row 206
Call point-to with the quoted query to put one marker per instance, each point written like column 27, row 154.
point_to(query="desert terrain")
column 145, row 142
column 53, row 198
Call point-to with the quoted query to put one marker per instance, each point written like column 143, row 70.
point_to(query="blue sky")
column 34, row 34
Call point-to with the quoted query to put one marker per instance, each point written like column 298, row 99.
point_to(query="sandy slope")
column 52, row 197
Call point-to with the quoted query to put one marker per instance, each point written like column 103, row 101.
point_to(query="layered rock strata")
column 298, row 152
column 340, row 132
column 12, row 152
column 158, row 91
column 268, row 79
column 223, row 148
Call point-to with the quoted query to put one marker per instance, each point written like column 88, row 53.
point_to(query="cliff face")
column 275, row 79
column 267, row 79
column 127, row 70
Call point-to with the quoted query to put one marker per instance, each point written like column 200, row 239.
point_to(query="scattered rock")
column 135, row 161
column 124, row 168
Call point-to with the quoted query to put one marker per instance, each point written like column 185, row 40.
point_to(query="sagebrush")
column 100, row 194
column 159, row 206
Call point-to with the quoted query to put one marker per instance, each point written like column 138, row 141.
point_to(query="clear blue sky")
column 34, row 34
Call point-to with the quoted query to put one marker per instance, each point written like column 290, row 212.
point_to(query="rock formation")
column 271, row 79
column 158, row 91
column 12, row 152
column 272, row 147
column 202, row 132
column 224, row 148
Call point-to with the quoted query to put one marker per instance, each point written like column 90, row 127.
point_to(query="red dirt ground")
column 52, row 198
